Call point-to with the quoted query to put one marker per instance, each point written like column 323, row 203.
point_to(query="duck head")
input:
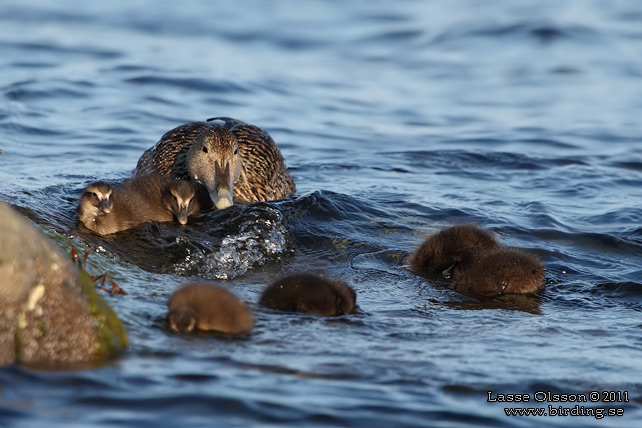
column 97, row 198
column 214, row 160
column 181, row 320
column 179, row 198
column 95, row 202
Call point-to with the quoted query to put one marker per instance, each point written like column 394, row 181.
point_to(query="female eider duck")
column 310, row 293
column 498, row 271
column 208, row 307
column 440, row 251
column 232, row 161
column 138, row 200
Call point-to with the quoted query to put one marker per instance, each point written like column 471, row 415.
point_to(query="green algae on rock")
column 51, row 315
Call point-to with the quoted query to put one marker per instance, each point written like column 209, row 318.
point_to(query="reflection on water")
column 522, row 117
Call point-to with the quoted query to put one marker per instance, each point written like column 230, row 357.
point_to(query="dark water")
column 396, row 118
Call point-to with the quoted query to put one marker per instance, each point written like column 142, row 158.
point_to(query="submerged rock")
column 50, row 313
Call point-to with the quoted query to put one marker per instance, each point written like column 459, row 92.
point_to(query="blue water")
column 396, row 119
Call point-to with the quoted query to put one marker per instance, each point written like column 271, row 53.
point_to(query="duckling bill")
column 310, row 293
column 207, row 307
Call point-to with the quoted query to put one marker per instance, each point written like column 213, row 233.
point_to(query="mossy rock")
column 51, row 315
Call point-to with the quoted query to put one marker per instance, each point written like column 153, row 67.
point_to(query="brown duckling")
column 231, row 161
column 440, row 250
column 498, row 271
column 179, row 198
column 95, row 201
column 310, row 293
column 208, row 307
column 138, row 200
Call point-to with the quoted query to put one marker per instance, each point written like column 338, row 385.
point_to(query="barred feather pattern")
column 168, row 156
column 264, row 175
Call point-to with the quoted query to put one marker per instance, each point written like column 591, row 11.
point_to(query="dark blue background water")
column 396, row 119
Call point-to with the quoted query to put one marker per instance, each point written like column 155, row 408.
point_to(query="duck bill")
column 181, row 216
column 105, row 206
column 222, row 193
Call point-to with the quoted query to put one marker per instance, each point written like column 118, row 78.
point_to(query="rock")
column 51, row 315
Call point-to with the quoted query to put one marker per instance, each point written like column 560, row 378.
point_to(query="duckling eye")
column 204, row 149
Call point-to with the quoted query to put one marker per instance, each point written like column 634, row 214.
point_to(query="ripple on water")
column 412, row 118
column 205, row 85
column 515, row 32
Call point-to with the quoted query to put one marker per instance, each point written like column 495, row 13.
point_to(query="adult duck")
column 233, row 161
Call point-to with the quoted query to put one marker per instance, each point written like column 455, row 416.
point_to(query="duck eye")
column 204, row 149
column 236, row 152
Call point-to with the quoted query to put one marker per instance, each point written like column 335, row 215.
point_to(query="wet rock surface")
column 220, row 244
column 50, row 313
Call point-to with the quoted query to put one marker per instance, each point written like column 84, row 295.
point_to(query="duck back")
column 499, row 271
column 310, row 293
column 440, row 251
column 168, row 155
column 213, row 308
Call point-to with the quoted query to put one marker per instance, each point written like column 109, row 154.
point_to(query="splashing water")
column 261, row 237
column 253, row 246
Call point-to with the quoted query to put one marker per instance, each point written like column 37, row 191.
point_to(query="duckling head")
column 181, row 320
column 97, row 198
column 214, row 160
column 179, row 199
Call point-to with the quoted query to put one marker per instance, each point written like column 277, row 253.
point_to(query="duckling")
column 439, row 251
column 310, row 293
column 95, row 201
column 138, row 200
column 180, row 200
column 232, row 161
column 498, row 271
column 201, row 306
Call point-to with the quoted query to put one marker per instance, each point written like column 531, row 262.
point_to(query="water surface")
column 523, row 117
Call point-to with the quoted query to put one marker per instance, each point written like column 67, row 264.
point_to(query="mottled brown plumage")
column 498, row 271
column 232, row 159
column 440, row 251
column 310, row 293
column 208, row 307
